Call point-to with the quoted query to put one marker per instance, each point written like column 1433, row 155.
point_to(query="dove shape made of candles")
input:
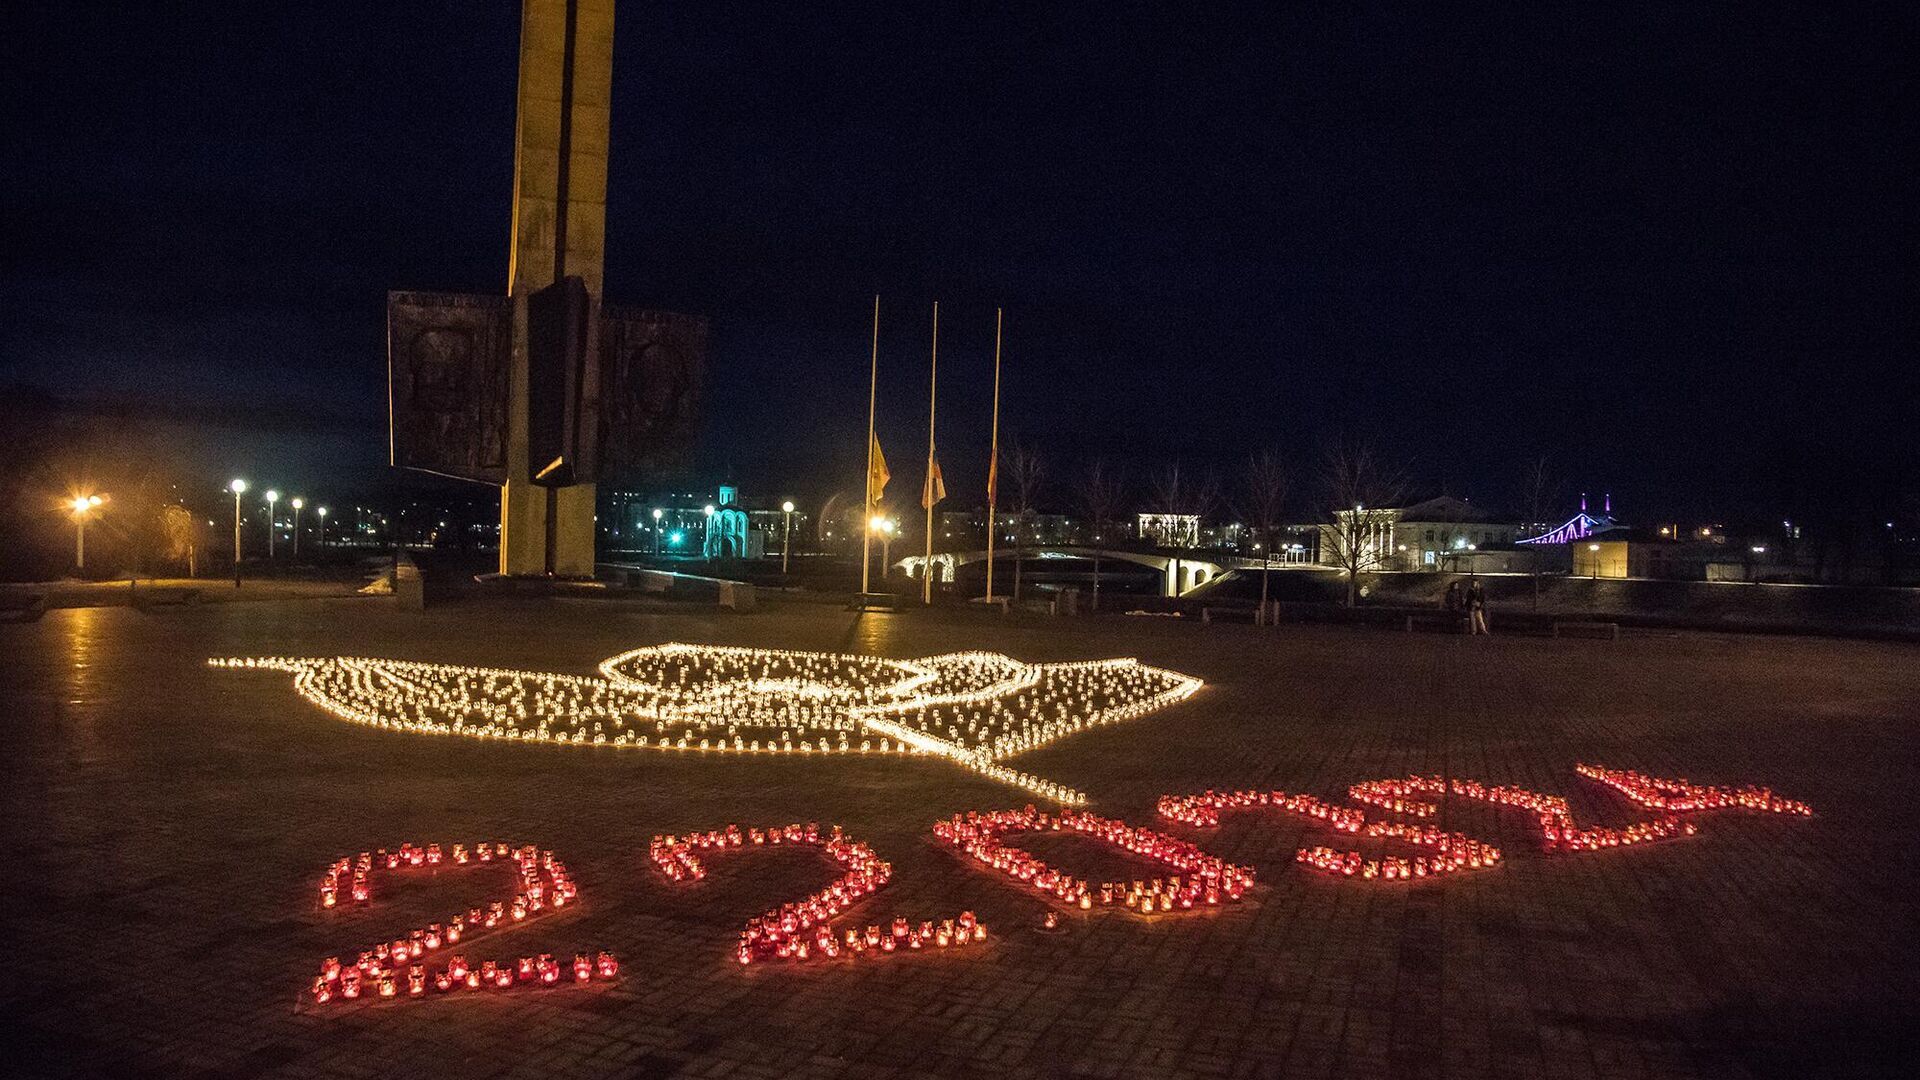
column 975, row 709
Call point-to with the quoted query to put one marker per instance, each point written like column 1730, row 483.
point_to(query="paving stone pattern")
column 166, row 824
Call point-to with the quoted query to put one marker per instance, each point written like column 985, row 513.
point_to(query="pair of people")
column 1468, row 605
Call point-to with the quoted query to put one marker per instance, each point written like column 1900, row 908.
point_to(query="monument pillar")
column 559, row 231
column 544, row 390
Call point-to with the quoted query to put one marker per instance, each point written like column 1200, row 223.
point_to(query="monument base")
column 523, row 531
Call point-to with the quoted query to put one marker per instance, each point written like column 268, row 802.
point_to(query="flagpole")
column 933, row 384
column 993, row 458
column 866, row 510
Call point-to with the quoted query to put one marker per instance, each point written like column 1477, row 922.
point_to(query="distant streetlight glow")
column 885, row 528
column 272, row 525
column 786, row 536
column 239, row 488
column 322, row 511
column 82, row 505
column 297, row 504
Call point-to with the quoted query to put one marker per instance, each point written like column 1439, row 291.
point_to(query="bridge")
column 1179, row 573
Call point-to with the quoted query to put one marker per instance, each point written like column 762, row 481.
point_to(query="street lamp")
column 82, row 505
column 657, row 515
column 885, row 529
column 786, row 535
column 272, row 525
column 297, row 504
column 238, row 487
column 322, row 511
column 1595, row 549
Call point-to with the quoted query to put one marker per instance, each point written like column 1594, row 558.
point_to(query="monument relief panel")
column 447, row 364
column 651, row 369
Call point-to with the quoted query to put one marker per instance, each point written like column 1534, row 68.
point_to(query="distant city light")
column 237, row 487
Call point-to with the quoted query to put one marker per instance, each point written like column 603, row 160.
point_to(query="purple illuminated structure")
column 1579, row 526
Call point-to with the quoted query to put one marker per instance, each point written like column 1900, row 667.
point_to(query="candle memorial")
column 975, row 709
column 542, row 886
column 804, row 930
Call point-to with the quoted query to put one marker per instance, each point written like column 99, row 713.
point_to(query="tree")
column 182, row 532
column 1359, row 489
column 1029, row 472
column 1101, row 489
column 1263, row 502
column 1539, row 492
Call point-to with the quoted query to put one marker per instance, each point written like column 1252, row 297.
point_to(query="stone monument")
column 543, row 390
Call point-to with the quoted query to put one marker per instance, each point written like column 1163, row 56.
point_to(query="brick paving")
column 166, row 823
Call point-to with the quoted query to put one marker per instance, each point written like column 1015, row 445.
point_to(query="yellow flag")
column 936, row 488
column 877, row 475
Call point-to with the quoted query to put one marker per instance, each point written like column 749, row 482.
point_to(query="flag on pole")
column 877, row 475
column 935, row 488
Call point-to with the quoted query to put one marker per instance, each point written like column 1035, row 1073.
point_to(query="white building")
column 1420, row 536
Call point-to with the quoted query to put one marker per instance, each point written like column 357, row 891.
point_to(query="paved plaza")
column 167, row 825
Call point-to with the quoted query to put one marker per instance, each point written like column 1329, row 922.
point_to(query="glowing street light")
column 239, row 488
column 272, row 497
column 322, row 511
column 885, row 528
column 657, row 515
column 297, row 504
column 786, row 536
column 82, row 505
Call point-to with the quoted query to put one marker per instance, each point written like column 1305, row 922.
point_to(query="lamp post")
column 322, row 511
column 706, row 533
column 272, row 525
column 238, row 487
column 82, row 505
column 297, row 504
column 786, row 534
column 885, row 529
column 657, row 515
column 1594, row 550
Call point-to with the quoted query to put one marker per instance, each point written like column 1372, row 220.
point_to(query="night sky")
column 1670, row 245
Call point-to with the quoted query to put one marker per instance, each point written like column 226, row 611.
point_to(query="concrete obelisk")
column 559, row 231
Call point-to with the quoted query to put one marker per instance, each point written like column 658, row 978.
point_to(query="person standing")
column 1456, row 605
column 1477, row 608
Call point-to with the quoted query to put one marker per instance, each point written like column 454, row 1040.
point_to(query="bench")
column 23, row 607
column 1608, row 630
column 152, row 596
column 408, row 588
column 738, row 596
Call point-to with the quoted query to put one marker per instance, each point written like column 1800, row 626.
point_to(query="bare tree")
column 1539, row 482
column 1360, row 490
column 1263, row 502
column 1169, row 494
column 1028, row 473
column 1101, row 489
column 182, row 531
column 1178, row 493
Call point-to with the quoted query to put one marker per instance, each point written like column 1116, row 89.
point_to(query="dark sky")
column 1669, row 244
